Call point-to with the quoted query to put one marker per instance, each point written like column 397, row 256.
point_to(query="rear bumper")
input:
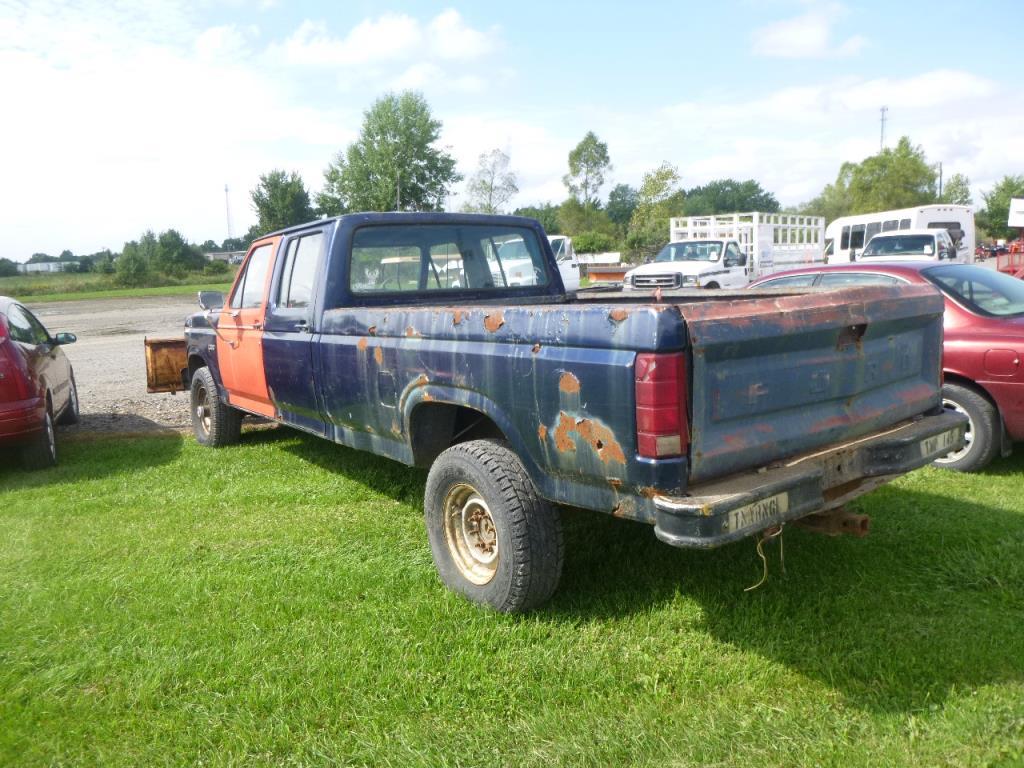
column 736, row 507
column 21, row 419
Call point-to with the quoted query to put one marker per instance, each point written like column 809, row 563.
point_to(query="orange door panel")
column 240, row 346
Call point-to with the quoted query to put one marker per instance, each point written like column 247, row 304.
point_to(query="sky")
column 127, row 115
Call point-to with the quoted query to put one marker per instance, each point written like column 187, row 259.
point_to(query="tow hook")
column 836, row 522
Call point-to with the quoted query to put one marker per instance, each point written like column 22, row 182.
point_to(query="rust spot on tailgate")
column 494, row 321
column 457, row 317
column 361, row 346
column 568, row 383
column 618, row 315
column 563, row 431
column 542, row 432
column 412, row 333
column 378, row 355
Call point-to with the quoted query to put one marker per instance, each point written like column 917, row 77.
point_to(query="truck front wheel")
column 214, row 423
column 494, row 539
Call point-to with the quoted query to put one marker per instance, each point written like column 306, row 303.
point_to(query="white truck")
column 730, row 250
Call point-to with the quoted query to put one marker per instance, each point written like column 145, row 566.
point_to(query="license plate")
column 750, row 515
column 941, row 444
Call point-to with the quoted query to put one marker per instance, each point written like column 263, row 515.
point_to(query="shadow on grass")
column 929, row 603
column 89, row 455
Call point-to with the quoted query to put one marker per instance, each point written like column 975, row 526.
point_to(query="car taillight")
column 662, row 426
column 13, row 384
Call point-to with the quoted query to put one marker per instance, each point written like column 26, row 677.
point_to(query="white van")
column 910, row 245
column 846, row 237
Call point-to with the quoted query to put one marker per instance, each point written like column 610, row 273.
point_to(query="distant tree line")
column 396, row 163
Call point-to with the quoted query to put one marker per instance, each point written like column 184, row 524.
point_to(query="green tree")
column 8, row 268
column 575, row 218
column 545, row 213
column 394, row 164
column 593, row 242
column 175, row 256
column 729, row 196
column 132, row 266
column 992, row 220
column 621, row 204
column 492, row 185
column 588, row 163
column 957, row 190
column 280, row 200
column 894, row 178
column 658, row 199
column 41, row 258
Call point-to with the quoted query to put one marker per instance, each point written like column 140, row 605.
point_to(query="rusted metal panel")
column 166, row 360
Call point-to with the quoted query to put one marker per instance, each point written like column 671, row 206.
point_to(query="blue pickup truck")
column 711, row 416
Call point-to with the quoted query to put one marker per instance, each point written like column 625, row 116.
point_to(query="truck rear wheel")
column 981, row 441
column 214, row 423
column 494, row 539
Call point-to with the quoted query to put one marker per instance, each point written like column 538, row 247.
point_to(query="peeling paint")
column 412, row 333
column 597, row 435
column 361, row 346
column 457, row 317
column 618, row 315
column 542, row 432
column 568, row 383
column 421, row 380
column 494, row 321
column 378, row 355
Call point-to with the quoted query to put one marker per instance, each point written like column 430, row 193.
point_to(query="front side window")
column 19, row 325
column 249, row 290
column 844, row 241
column 981, row 290
column 405, row 258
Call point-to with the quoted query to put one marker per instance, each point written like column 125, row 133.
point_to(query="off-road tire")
column 984, row 431
column 41, row 452
column 70, row 414
column 712, row 286
column 213, row 423
column 528, row 529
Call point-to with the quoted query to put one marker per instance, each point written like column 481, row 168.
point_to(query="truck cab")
column 693, row 264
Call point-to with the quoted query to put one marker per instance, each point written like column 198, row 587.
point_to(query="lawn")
column 275, row 604
column 61, row 286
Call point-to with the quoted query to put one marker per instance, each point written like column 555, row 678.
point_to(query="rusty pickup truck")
column 447, row 341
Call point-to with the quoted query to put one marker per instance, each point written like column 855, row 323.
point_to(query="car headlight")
column 689, row 280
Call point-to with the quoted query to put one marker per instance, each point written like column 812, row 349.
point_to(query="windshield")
column 901, row 245
column 698, row 250
column 981, row 290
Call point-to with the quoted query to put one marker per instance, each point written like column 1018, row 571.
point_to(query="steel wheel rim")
column 203, row 410
column 51, row 437
column 949, row 458
column 471, row 534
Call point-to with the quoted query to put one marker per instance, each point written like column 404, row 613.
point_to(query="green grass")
column 73, row 287
column 276, row 604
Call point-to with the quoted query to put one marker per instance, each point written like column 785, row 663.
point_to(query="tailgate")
column 782, row 375
column 166, row 361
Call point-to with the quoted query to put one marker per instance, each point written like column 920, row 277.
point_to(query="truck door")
column 736, row 264
column 289, row 329
column 240, row 332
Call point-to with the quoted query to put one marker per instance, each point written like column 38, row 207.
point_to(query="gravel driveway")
column 110, row 361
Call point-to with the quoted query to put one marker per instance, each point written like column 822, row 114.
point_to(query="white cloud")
column 390, row 37
column 807, row 36
column 451, row 38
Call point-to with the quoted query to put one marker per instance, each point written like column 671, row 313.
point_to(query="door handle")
column 303, row 326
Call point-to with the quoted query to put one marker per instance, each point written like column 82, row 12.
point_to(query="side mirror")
column 210, row 300
column 65, row 338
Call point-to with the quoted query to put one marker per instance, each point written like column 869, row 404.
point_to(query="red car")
column 37, row 385
column 983, row 348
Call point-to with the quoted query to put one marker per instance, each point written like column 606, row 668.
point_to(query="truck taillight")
column 662, row 427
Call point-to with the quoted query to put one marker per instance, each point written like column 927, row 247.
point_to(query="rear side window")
column 890, row 225
column 789, row 281
column 300, row 266
column 249, row 291
column 837, row 279
column 873, row 229
column 857, row 236
column 447, row 257
column 844, row 241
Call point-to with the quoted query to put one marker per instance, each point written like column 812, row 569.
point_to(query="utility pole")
column 881, row 141
column 940, row 179
column 227, row 209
